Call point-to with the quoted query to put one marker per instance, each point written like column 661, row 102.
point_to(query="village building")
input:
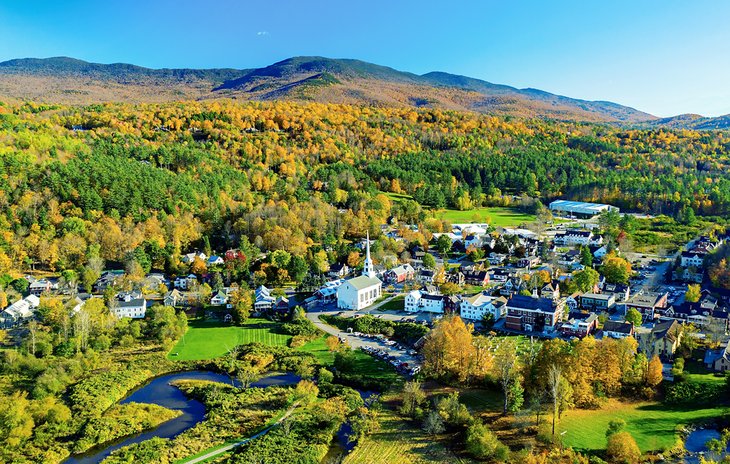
column 579, row 324
column 475, row 307
column 362, row 291
column 648, row 303
column 399, row 274
column 423, row 301
column 618, row 329
column 533, row 314
column 129, row 304
column 598, row 301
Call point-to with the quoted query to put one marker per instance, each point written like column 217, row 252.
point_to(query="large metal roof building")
column 580, row 208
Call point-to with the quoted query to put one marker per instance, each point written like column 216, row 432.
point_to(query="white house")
column 419, row 300
column 476, row 307
column 220, row 298
column 190, row 257
column 130, row 305
column 362, row 291
column 263, row 299
column 578, row 237
column 215, row 260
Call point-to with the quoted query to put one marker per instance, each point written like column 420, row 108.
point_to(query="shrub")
column 622, row 448
column 482, row 443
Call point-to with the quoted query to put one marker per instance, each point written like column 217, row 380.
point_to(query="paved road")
column 227, row 448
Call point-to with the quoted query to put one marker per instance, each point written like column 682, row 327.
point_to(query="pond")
column 159, row 391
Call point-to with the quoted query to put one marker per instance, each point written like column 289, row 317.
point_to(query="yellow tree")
column 448, row 349
column 654, row 372
column 693, row 293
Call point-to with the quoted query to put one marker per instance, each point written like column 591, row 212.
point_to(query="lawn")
column 396, row 304
column 653, row 425
column 208, row 340
column 495, row 216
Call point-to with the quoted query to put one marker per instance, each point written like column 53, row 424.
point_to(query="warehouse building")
column 579, row 208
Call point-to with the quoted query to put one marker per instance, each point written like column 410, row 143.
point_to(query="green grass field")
column 208, row 340
column 496, row 216
column 396, row 304
column 653, row 425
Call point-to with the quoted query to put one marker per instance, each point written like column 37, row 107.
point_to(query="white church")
column 360, row 292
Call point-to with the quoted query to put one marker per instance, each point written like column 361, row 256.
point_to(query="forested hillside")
column 147, row 182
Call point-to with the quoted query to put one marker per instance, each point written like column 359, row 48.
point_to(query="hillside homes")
column 618, row 329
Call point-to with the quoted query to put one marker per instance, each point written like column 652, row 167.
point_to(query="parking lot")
column 405, row 360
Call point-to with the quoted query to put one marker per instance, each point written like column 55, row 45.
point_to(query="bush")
column 482, row 443
column 622, row 448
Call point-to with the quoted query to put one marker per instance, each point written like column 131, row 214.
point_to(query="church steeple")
column 368, row 269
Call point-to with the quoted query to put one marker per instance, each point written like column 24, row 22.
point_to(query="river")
column 159, row 391
column 695, row 443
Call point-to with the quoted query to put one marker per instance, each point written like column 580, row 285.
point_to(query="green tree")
column 413, row 399
column 586, row 279
column 633, row 316
column 443, row 244
column 433, row 424
column 429, row 262
column 16, row 421
column 615, row 426
column 586, row 257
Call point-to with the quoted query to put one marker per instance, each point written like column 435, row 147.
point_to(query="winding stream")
column 159, row 391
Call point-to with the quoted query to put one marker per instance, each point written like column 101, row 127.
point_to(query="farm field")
column 653, row 425
column 398, row 442
column 208, row 340
column 495, row 216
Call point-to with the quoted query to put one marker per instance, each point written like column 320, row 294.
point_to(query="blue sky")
column 661, row 56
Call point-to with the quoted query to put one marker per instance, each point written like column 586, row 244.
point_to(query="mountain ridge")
column 310, row 78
